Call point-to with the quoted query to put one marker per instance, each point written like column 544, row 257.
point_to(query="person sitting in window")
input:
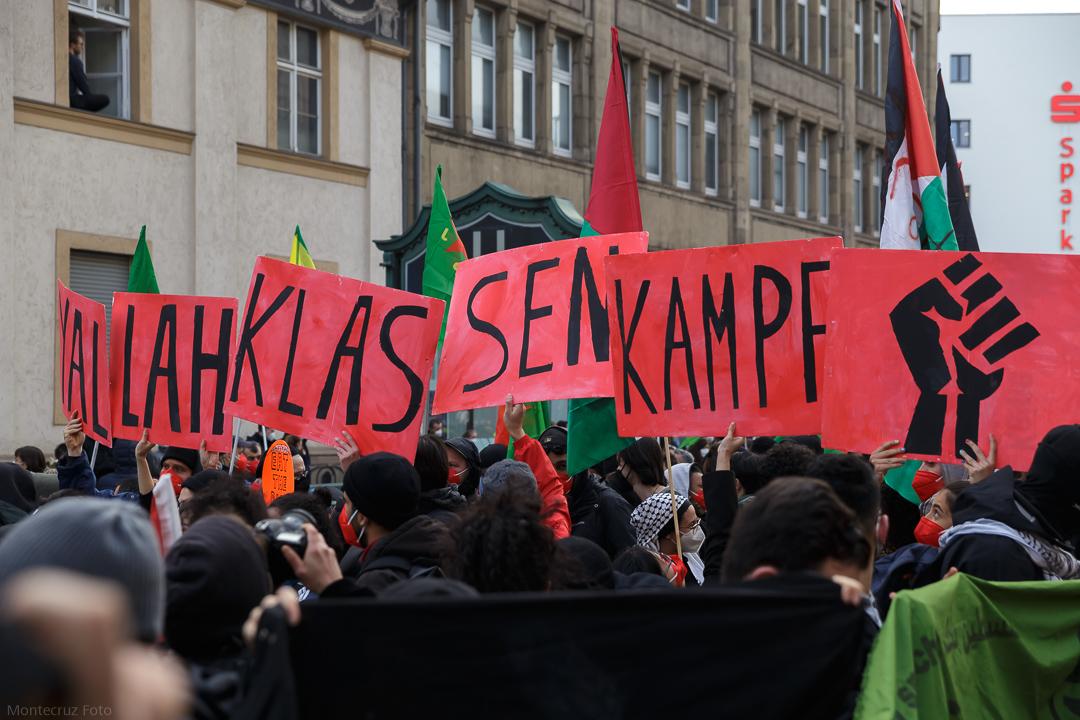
column 79, row 95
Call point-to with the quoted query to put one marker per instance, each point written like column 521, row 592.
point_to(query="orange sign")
column 277, row 477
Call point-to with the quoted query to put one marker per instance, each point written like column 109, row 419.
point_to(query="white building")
column 230, row 121
column 1001, row 74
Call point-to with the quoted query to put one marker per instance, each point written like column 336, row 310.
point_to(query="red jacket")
column 553, row 501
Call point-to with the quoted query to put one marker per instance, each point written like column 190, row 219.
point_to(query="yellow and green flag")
column 141, row 277
column 444, row 250
column 299, row 254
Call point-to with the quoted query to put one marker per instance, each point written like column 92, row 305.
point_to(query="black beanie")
column 188, row 457
column 215, row 574
column 384, row 487
column 202, row 479
column 492, row 454
column 1052, row 488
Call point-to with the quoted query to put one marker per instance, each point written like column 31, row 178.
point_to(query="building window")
column 803, row 10
column 779, row 153
column 712, row 144
column 712, row 10
column 524, row 84
column 562, row 116
column 755, row 21
column 803, row 172
column 875, row 200
column 755, row 158
column 859, row 44
column 780, row 24
column 823, row 179
column 683, row 5
column 960, row 68
column 440, row 59
column 682, row 136
column 654, row 113
column 106, row 58
column 913, row 41
column 97, row 275
column 299, row 88
column 877, row 51
column 823, row 35
column 967, row 195
column 628, row 84
column 858, row 187
column 961, row 133
column 483, row 72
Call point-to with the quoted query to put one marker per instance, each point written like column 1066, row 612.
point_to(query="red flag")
column 613, row 198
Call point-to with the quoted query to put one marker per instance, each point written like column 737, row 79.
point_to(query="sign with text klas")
column 169, row 368
column 319, row 353
column 935, row 348
column 707, row 336
column 531, row 322
column 84, row 362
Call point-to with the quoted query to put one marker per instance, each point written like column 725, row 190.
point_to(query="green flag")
column 141, row 278
column 298, row 254
column 968, row 648
column 444, row 250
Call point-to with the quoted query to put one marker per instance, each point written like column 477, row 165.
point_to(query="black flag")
column 950, row 173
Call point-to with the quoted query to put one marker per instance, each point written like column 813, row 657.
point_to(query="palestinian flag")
column 299, row 254
column 536, row 421
column 444, row 251
column 951, row 177
column 915, row 211
column 613, row 207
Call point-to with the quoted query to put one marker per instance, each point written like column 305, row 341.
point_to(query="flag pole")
column 235, row 442
column 93, row 454
column 263, row 428
column 674, row 503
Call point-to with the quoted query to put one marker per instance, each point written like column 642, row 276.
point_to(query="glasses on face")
column 693, row 526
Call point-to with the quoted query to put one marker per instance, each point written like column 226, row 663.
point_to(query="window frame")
column 756, row 31
column 878, row 21
column 482, row 53
column 823, row 179
column 683, row 5
column 780, row 23
column 711, row 126
column 857, row 181
column 434, row 35
column 559, row 77
column 913, row 43
column 779, row 169
column 824, row 48
column 957, row 126
column 295, row 69
column 875, row 188
column 802, row 173
column 121, row 23
column 655, row 110
column 756, row 189
column 524, row 65
column 956, row 65
column 684, row 120
column 712, row 10
column 860, row 71
column 802, row 25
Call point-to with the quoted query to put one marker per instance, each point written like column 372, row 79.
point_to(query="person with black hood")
column 382, row 491
column 1007, row 530
column 464, row 460
column 438, row 499
column 215, row 574
column 15, row 481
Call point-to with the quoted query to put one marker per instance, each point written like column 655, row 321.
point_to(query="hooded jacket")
column 414, row 549
column 443, row 504
column 14, row 505
column 600, row 514
column 467, row 449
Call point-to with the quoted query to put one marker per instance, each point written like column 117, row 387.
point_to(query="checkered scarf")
column 650, row 517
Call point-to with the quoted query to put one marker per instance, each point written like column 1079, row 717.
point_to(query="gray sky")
column 1008, row 7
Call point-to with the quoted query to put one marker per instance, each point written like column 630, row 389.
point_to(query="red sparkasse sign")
column 532, row 322
column 319, row 353
column 84, row 362
column 934, row 348
column 169, row 368
column 707, row 336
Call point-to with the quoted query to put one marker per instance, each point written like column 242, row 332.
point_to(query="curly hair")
column 502, row 544
column 786, row 459
column 226, row 496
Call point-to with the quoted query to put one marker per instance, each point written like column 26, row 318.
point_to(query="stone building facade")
column 753, row 120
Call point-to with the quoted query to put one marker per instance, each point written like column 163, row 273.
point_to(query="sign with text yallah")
column 84, row 362
column 704, row 337
column 935, row 348
column 531, row 322
column 169, row 368
column 319, row 353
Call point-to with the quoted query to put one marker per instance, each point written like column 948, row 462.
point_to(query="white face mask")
column 691, row 541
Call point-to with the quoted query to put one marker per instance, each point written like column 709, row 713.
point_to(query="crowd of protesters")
column 96, row 614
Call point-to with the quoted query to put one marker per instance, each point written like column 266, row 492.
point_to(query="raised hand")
column 210, row 460
column 74, row 437
column 346, row 448
column 514, row 418
column 727, row 447
column 144, row 446
column 980, row 466
column 888, row 456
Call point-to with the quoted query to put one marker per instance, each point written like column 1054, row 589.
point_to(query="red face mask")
column 453, row 477
column 927, row 532
column 347, row 530
column 175, row 480
column 926, row 483
column 698, row 498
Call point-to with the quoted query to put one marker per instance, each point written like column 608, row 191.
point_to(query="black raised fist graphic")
column 919, row 338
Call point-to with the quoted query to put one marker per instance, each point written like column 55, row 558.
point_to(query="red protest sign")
column 704, row 337
column 934, row 348
column 84, row 362
column 531, row 322
column 319, row 353
column 169, row 368
column 277, row 477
